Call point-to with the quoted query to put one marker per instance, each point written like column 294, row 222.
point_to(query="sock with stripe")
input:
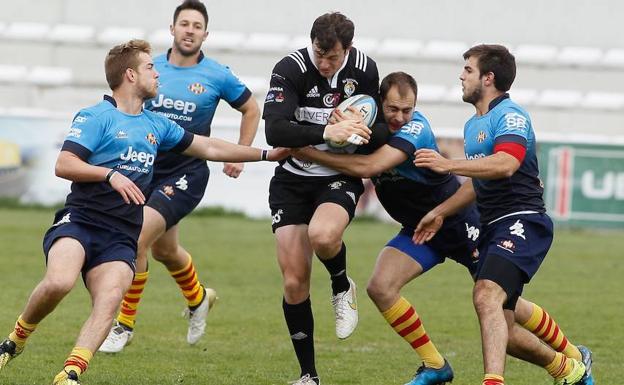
column 127, row 314
column 560, row 366
column 545, row 328
column 493, row 379
column 405, row 321
column 337, row 268
column 300, row 322
column 21, row 332
column 188, row 282
column 78, row 361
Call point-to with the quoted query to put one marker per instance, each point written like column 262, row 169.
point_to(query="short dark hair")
column 331, row 28
column 194, row 5
column 496, row 59
column 402, row 80
column 122, row 57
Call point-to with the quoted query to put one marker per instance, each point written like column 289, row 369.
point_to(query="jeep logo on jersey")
column 196, row 88
column 180, row 105
column 143, row 157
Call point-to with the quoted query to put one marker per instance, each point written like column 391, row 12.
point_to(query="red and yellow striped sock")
column 404, row 320
column 189, row 284
column 21, row 332
column 78, row 360
column 127, row 314
column 493, row 379
column 545, row 328
column 560, row 366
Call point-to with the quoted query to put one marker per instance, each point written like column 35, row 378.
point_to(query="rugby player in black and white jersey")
column 311, row 204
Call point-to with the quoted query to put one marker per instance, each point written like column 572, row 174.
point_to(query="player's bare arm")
column 432, row 222
column 69, row 166
column 248, row 128
column 362, row 166
column 495, row 166
column 221, row 150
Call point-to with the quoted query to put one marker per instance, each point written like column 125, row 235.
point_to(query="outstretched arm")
column 220, row 150
column 495, row 166
column 362, row 166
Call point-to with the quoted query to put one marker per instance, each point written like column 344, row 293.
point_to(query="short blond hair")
column 122, row 57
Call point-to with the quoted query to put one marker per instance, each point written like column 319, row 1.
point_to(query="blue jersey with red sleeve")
column 102, row 135
column 508, row 125
column 189, row 96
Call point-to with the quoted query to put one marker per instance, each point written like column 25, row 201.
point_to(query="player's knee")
column 57, row 287
column 296, row 287
column 483, row 297
column 323, row 239
column 163, row 253
column 378, row 291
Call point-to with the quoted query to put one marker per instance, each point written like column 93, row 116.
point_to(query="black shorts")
column 293, row 198
column 175, row 196
column 506, row 274
column 101, row 243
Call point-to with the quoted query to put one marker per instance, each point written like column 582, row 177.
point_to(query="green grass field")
column 580, row 284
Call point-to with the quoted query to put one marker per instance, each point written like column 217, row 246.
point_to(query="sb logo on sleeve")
column 515, row 121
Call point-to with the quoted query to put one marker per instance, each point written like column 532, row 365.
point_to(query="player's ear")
column 205, row 35
column 171, row 29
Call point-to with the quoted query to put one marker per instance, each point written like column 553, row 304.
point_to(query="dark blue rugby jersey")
column 408, row 192
column 102, row 135
column 189, row 96
column 505, row 122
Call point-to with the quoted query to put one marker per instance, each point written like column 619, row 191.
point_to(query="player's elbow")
column 60, row 169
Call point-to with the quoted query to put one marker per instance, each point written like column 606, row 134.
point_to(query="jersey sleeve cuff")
column 241, row 99
column 184, row 143
column 403, row 145
column 77, row 149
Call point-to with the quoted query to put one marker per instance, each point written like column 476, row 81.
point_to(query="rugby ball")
column 366, row 106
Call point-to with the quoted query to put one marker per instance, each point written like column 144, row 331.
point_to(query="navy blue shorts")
column 522, row 239
column 175, row 196
column 293, row 199
column 101, row 243
column 457, row 240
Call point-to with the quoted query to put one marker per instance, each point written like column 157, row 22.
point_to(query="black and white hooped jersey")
column 300, row 94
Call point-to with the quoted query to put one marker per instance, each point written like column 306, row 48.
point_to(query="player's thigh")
column 393, row 270
column 109, row 281
column 65, row 260
column 154, row 226
column 294, row 252
column 167, row 244
column 329, row 221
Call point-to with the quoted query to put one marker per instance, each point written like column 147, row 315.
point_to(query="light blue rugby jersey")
column 189, row 96
column 104, row 136
column 505, row 122
column 408, row 192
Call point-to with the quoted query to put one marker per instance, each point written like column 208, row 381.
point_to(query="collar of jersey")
column 333, row 83
column 112, row 101
column 497, row 100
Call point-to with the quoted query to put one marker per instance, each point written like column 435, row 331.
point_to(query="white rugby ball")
column 366, row 106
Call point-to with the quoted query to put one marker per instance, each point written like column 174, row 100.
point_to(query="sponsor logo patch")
column 349, row 86
column 74, row 132
column 196, row 88
column 313, row 93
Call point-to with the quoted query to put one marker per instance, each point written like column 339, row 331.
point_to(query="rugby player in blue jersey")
column 516, row 233
column 109, row 156
column 191, row 86
column 408, row 193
